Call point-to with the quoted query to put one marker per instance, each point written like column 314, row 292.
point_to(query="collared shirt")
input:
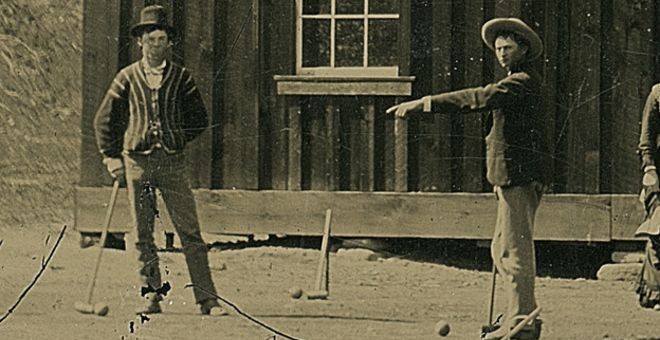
column 154, row 75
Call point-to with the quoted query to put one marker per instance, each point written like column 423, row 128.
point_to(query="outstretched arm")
column 490, row 96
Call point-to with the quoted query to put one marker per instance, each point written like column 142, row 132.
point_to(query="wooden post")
column 196, row 49
column 436, row 170
column 333, row 144
column 240, row 123
column 400, row 154
column 473, row 164
column 631, row 79
column 102, row 41
column 370, row 143
column 584, row 85
column 295, row 144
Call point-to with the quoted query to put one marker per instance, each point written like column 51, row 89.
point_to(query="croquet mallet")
column 490, row 327
column 99, row 308
column 323, row 271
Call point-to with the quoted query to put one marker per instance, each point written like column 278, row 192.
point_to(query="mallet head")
column 100, row 308
column 317, row 295
column 84, row 308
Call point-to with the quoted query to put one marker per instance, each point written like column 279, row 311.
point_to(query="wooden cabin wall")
column 598, row 68
column 599, row 65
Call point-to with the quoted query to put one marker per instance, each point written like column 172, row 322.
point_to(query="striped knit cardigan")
column 129, row 112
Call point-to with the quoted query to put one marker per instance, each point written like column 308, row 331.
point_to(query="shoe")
column 529, row 332
column 151, row 304
column 211, row 307
column 495, row 325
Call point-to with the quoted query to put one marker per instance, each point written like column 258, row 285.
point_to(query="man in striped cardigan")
column 151, row 110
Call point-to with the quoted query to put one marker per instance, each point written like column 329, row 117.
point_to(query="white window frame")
column 343, row 71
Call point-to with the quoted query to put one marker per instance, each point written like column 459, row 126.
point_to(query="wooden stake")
column 324, row 260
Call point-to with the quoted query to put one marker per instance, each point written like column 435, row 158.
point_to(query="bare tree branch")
column 245, row 315
column 44, row 265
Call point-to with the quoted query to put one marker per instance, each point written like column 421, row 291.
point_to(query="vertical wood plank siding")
column 629, row 69
column 598, row 66
column 102, row 39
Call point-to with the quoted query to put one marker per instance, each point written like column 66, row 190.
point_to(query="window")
column 347, row 37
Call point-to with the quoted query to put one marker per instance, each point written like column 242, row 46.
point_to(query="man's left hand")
column 404, row 109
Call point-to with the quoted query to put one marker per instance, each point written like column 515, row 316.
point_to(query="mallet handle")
column 531, row 316
column 492, row 296
column 324, row 261
column 104, row 235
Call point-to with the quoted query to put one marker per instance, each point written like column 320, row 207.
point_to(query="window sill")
column 343, row 86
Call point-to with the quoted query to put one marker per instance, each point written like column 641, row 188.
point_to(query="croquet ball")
column 442, row 328
column 86, row 241
column 295, row 292
column 101, row 309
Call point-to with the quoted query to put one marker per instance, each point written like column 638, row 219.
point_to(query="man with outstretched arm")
column 514, row 158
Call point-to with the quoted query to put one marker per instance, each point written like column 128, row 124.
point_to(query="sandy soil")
column 389, row 298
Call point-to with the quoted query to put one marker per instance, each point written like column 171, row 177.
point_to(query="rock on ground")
column 619, row 272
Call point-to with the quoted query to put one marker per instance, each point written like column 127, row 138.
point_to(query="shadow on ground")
column 554, row 259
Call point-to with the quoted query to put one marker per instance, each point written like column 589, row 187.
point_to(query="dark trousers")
column 167, row 173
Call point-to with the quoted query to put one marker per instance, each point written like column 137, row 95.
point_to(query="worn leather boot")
column 212, row 307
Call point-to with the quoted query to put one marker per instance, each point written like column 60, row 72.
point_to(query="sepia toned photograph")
column 330, row 169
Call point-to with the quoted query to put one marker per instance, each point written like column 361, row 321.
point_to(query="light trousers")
column 512, row 247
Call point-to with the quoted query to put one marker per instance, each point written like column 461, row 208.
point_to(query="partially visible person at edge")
column 515, row 159
column 648, row 149
column 151, row 110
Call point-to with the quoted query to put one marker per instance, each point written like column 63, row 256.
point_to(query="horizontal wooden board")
column 364, row 214
column 301, row 85
column 627, row 215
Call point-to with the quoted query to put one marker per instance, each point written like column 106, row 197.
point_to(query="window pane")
column 384, row 6
column 349, row 43
column 350, row 7
column 316, row 43
column 316, row 6
column 383, row 42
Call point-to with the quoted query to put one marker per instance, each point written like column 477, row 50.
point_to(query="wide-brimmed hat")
column 490, row 30
column 152, row 16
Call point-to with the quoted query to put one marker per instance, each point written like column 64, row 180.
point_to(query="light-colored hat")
column 490, row 30
column 152, row 16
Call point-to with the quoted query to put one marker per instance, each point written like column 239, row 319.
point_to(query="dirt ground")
column 387, row 298
column 390, row 298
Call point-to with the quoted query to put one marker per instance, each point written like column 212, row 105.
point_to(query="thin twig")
column 245, row 315
column 27, row 289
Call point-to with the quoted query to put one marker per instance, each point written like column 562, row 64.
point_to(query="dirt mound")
column 40, row 83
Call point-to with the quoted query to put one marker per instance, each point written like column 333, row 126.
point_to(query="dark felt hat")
column 152, row 16
column 490, row 30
